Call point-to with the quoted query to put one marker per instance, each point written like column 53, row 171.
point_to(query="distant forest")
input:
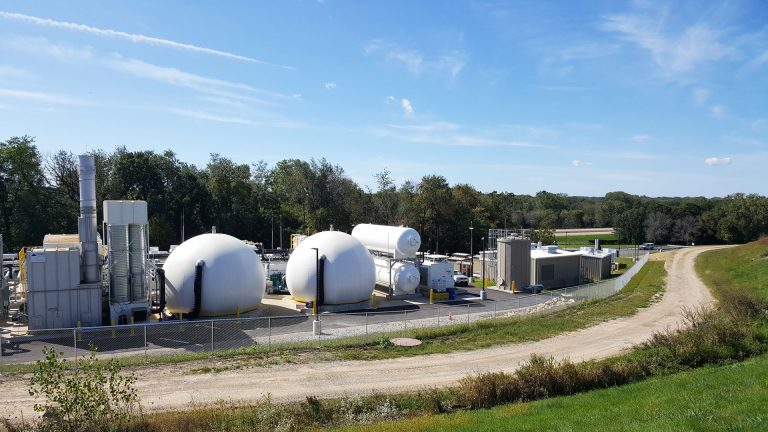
column 40, row 194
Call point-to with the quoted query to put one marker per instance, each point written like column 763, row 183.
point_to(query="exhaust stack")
column 86, row 224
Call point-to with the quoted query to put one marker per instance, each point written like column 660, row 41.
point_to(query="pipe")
column 86, row 224
column 198, row 290
column 160, row 306
column 321, row 282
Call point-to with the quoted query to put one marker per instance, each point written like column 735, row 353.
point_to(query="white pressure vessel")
column 405, row 276
column 232, row 276
column 348, row 270
column 400, row 242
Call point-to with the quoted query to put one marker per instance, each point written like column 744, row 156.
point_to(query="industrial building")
column 514, row 263
column 555, row 268
column 595, row 265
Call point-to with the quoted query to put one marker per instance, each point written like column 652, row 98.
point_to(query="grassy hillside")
column 722, row 398
column 744, row 266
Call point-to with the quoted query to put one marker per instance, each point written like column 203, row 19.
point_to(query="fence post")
column 74, row 340
column 467, row 314
column 269, row 338
column 146, row 359
column 366, row 323
column 405, row 320
column 494, row 309
column 438, row 315
column 211, row 336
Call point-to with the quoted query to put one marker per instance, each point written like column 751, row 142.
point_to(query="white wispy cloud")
column 676, row 54
column 716, row 161
column 640, row 138
column 580, row 163
column 132, row 37
column 36, row 96
column 430, row 127
column 449, row 134
column 717, row 111
column 700, row 95
column 207, row 116
column 42, row 46
column 329, row 85
column 407, row 107
column 15, row 73
column 588, row 50
column 450, row 63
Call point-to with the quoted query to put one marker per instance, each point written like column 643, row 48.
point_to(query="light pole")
column 471, row 256
column 483, row 294
column 316, row 330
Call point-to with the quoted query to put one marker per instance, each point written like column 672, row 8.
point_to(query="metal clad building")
column 595, row 267
column 555, row 268
column 514, row 263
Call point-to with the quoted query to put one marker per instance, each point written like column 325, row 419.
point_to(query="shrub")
column 91, row 396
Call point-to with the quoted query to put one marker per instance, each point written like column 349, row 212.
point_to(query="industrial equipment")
column 211, row 275
column 399, row 242
column 402, row 276
column 436, row 275
column 125, row 227
column 332, row 267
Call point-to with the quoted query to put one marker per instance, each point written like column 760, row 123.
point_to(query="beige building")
column 514, row 263
column 555, row 268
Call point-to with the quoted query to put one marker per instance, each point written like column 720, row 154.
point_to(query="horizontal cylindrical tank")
column 405, row 275
column 232, row 276
column 401, row 242
column 348, row 270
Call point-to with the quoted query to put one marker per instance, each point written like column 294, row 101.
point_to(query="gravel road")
column 169, row 387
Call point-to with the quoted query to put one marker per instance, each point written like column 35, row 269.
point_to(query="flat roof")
column 544, row 253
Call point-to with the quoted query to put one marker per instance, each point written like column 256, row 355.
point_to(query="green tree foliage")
column 90, row 396
column 40, row 194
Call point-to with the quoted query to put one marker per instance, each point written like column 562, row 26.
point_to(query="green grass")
column 478, row 283
column 628, row 263
column 743, row 266
column 714, row 398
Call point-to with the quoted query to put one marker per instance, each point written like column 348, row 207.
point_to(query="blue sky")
column 654, row 98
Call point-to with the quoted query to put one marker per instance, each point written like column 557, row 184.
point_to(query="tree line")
column 39, row 194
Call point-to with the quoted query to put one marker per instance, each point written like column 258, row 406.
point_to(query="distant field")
column 714, row 398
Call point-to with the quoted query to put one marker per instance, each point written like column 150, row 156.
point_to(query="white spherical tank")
column 348, row 270
column 405, row 276
column 232, row 276
column 401, row 242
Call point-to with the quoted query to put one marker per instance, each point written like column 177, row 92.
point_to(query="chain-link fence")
column 271, row 333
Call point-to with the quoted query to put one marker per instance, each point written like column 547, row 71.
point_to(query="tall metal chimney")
column 86, row 224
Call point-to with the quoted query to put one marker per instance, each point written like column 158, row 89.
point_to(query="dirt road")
column 168, row 387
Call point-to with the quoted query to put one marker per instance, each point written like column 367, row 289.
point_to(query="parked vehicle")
column 460, row 279
column 648, row 246
column 533, row 289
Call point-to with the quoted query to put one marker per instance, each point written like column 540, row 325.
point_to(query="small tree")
column 91, row 396
column 544, row 233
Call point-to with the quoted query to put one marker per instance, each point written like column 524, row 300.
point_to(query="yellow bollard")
column 79, row 335
column 181, row 318
column 113, row 331
column 431, row 295
column 132, row 328
column 238, row 312
column 514, row 287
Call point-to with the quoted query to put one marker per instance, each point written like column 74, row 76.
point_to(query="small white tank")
column 401, row 242
column 405, row 276
column 233, row 277
column 349, row 275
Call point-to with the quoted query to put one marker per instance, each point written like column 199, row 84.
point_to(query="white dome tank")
column 405, row 276
column 349, row 275
column 233, row 277
column 401, row 242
